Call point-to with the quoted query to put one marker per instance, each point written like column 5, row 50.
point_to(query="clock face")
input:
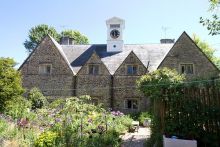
column 115, row 34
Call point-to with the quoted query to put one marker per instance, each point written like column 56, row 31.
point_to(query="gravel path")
column 136, row 139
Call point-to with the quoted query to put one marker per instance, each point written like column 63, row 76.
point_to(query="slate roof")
column 77, row 55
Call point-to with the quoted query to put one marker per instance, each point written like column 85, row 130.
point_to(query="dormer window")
column 186, row 69
column 45, row 69
column 93, row 69
column 131, row 69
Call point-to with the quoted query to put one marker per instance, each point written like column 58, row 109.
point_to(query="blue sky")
column 144, row 20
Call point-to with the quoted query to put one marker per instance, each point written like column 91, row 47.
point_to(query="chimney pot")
column 65, row 40
column 167, row 41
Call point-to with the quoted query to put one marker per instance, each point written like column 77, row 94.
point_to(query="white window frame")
column 93, row 70
column 43, row 69
column 185, row 65
column 131, row 99
column 133, row 65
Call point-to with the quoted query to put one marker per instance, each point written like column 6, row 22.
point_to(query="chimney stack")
column 65, row 40
column 167, row 41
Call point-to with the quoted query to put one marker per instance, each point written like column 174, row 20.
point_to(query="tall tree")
column 36, row 34
column 10, row 81
column 76, row 35
column 207, row 49
column 213, row 24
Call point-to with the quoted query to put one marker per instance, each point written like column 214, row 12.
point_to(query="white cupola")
column 115, row 27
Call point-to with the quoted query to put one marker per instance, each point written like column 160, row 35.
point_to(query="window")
column 186, row 68
column 131, row 104
column 93, row 69
column 113, row 26
column 131, row 69
column 45, row 69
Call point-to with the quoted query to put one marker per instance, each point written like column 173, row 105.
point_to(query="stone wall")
column 125, row 85
column 59, row 82
column 97, row 86
column 185, row 51
column 111, row 90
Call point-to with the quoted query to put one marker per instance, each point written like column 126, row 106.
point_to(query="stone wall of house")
column 112, row 91
column 59, row 82
column 97, row 86
column 125, row 85
column 185, row 51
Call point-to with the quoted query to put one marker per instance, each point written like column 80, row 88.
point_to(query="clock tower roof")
column 115, row 20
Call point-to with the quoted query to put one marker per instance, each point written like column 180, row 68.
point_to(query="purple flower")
column 57, row 120
column 41, row 129
column 117, row 113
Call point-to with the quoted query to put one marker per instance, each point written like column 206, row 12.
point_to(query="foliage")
column 47, row 139
column 11, row 135
column 189, row 119
column 10, row 82
column 179, row 113
column 212, row 25
column 76, row 35
column 17, row 108
column 37, row 98
column 65, row 122
column 144, row 116
column 57, row 103
column 164, row 78
column 3, row 126
column 79, row 123
column 37, row 33
column 207, row 49
column 154, row 86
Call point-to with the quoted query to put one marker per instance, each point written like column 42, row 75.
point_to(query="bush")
column 47, row 139
column 3, row 127
column 144, row 116
column 57, row 103
column 17, row 107
column 10, row 82
column 37, row 98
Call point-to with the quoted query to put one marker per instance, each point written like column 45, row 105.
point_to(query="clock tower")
column 115, row 27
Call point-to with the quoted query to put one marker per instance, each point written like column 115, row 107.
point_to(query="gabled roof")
column 61, row 52
column 90, row 58
column 153, row 54
column 184, row 34
column 58, row 47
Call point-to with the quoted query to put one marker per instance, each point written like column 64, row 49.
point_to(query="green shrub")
column 10, row 81
column 108, row 139
column 46, row 139
column 135, row 115
column 57, row 103
column 144, row 116
column 3, row 127
column 37, row 98
column 17, row 107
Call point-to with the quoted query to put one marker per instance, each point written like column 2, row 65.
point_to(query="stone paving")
column 136, row 139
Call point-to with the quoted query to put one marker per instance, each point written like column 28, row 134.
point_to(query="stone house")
column 108, row 72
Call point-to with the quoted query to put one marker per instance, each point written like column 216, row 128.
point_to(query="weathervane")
column 164, row 29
